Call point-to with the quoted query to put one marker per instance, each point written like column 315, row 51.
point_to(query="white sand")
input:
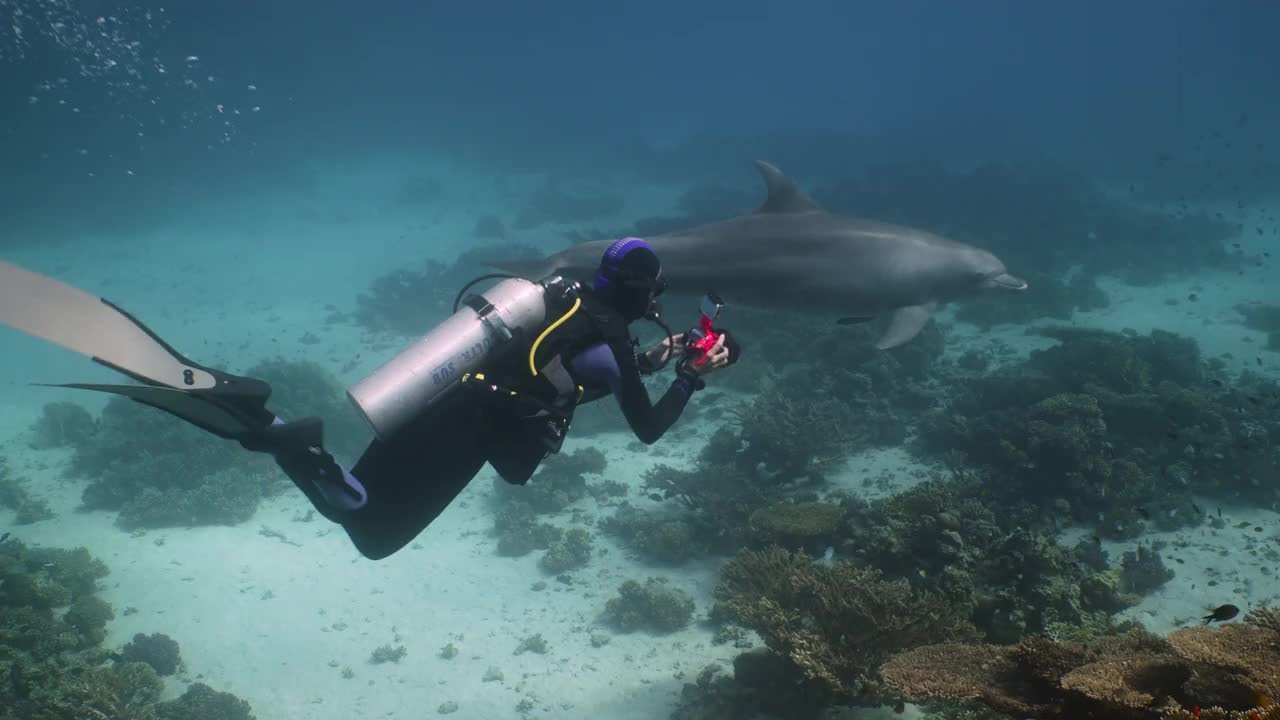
column 276, row 624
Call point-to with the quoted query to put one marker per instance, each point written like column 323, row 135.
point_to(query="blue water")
column 235, row 173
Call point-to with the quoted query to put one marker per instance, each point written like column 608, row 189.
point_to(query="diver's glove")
column 686, row 374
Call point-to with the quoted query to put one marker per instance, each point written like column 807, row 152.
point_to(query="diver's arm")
column 615, row 363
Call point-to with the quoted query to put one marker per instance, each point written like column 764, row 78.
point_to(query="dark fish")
column 1222, row 614
column 4, row 537
column 1142, row 512
column 1197, row 509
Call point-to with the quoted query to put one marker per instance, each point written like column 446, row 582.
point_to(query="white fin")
column 907, row 323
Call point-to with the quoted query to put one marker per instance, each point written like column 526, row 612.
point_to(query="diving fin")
column 223, row 404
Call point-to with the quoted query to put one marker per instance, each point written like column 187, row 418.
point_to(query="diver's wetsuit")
column 613, row 365
column 412, row 479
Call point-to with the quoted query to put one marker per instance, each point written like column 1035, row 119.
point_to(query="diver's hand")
column 665, row 350
column 716, row 358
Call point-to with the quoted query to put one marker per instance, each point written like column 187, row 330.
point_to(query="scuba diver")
column 497, row 383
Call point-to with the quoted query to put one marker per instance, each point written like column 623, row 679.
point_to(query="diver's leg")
column 412, row 477
column 298, row 450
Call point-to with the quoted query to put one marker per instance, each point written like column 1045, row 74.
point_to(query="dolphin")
column 790, row 254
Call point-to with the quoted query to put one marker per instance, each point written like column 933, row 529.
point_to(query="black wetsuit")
column 412, row 479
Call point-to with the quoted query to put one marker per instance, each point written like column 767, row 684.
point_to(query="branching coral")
column 1267, row 618
column 837, row 621
column 1135, row 676
column 655, row 605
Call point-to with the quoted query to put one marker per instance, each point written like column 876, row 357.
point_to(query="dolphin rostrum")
column 790, row 254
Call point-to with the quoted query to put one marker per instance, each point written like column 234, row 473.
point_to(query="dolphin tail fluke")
column 907, row 323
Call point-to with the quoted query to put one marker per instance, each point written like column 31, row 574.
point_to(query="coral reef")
column 410, row 302
column 62, row 424
column 572, row 552
column 1267, row 618
column 1142, row 571
column 797, row 525
column 1132, row 676
column 387, row 654
column 763, row 686
column 157, row 650
column 657, row 537
column 836, row 622
column 301, row 389
column 15, row 496
column 655, row 606
column 558, row 484
column 1114, row 431
column 203, row 702
column 52, row 625
column 946, row 536
column 159, row 472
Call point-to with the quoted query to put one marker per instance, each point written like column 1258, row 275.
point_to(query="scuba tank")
column 491, row 324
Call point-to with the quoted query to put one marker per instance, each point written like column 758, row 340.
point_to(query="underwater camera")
column 704, row 337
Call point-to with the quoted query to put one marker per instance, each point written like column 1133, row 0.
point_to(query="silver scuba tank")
column 421, row 374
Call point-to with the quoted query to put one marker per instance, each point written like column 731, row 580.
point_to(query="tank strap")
column 568, row 392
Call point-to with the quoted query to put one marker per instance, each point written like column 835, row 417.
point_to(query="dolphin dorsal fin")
column 784, row 196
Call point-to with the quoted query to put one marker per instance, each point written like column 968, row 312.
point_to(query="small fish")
column 4, row 537
column 1222, row 613
column 1142, row 512
column 1197, row 509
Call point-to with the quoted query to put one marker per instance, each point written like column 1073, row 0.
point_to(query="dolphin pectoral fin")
column 784, row 195
column 907, row 323
column 854, row 320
